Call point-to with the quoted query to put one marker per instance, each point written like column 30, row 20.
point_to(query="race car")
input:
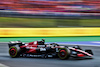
column 18, row 48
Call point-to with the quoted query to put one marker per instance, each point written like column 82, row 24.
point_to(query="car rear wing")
column 12, row 43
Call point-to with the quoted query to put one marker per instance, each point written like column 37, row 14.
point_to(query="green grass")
column 51, row 39
column 32, row 22
column 25, row 22
column 90, row 22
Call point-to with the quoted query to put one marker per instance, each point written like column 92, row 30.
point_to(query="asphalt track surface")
column 49, row 62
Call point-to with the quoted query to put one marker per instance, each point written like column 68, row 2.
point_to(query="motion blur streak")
column 52, row 7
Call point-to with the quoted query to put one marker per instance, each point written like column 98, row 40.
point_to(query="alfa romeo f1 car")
column 18, row 48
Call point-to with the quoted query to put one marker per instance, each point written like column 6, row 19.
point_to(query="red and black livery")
column 18, row 48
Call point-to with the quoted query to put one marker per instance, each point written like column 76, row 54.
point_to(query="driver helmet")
column 43, row 40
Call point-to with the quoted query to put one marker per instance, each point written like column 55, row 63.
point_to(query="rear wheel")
column 63, row 53
column 14, row 51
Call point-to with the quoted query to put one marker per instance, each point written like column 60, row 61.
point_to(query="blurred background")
column 66, row 22
column 49, row 13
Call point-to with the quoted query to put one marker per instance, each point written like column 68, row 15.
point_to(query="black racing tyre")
column 64, row 53
column 14, row 51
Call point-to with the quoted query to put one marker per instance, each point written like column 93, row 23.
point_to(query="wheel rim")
column 12, row 51
column 63, row 53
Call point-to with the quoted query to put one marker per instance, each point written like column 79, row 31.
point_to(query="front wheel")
column 14, row 51
column 64, row 53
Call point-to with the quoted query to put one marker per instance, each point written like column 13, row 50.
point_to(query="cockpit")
column 41, row 42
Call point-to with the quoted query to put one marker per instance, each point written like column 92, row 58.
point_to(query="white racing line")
column 2, row 65
column 96, row 42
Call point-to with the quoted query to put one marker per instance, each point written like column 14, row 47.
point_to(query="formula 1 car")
column 18, row 48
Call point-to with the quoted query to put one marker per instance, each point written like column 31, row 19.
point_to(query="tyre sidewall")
column 17, row 52
column 66, row 56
